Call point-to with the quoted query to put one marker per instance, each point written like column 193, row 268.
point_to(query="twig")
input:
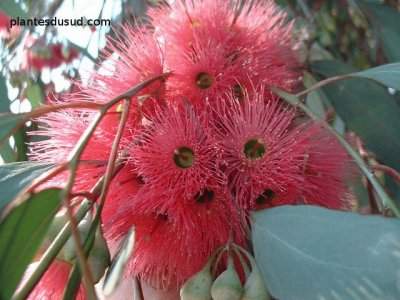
column 323, row 83
column 70, row 293
column 25, row 117
column 390, row 171
column 372, row 200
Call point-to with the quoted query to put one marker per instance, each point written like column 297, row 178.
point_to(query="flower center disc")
column 183, row 157
column 206, row 196
column 265, row 197
column 203, row 80
column 254, row 149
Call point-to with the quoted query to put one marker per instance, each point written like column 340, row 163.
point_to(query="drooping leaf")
column 17, row 176
column 388, row 75
column 308, row 252
column 118, row 263
column 367, row 109
column 22, row 232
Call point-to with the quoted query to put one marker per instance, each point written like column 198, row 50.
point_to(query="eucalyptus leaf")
column 17, row 176
column 314, row 99
column 388, row 75
column 117, row 268
column 308, row 252
column 22, row 232
column 367, row 109
column 9, row 122
column 386, row 20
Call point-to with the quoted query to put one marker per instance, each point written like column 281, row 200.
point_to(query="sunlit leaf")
column 22, row 232
column 308, row 252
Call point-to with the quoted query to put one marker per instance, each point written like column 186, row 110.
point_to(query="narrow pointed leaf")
column 22, row 232
column 366, row 108
column 308, row 252
column 117, row 268
column 17, row 176
column 388, row 75
column 386, row 20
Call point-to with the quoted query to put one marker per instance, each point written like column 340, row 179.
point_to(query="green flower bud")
column 99, row 257
column 227, row 286
column 198, row 286
column 68, row 252
column 254, row 288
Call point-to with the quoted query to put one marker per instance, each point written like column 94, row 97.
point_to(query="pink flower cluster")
column 208, row 144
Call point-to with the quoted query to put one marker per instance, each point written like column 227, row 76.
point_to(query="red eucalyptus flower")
column 52, row 285
column 204, row 146
column 260, row 155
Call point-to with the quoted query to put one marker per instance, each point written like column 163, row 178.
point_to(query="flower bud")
column 198, row 287
column 254, row 288
column 227, row 286
column 68, row 252
column 99, row 257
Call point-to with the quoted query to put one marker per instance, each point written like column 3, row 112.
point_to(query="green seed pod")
column 58, row 223
column 198, row 286
column 227, row 286
column 99, row 257
column 68, row 252
column 254, row 288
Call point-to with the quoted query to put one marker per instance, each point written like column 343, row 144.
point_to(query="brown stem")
column 390, row 171
column 372, row 200
column 323, row 83
column 25, row 117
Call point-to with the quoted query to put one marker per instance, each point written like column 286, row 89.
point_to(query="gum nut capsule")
column 254, row 288
column 227, row 286
column 198, row 286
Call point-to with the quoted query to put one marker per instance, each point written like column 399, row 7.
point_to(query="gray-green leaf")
column 22, row 232
column 17, row 176
column 308, row 252
column 388, row 75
